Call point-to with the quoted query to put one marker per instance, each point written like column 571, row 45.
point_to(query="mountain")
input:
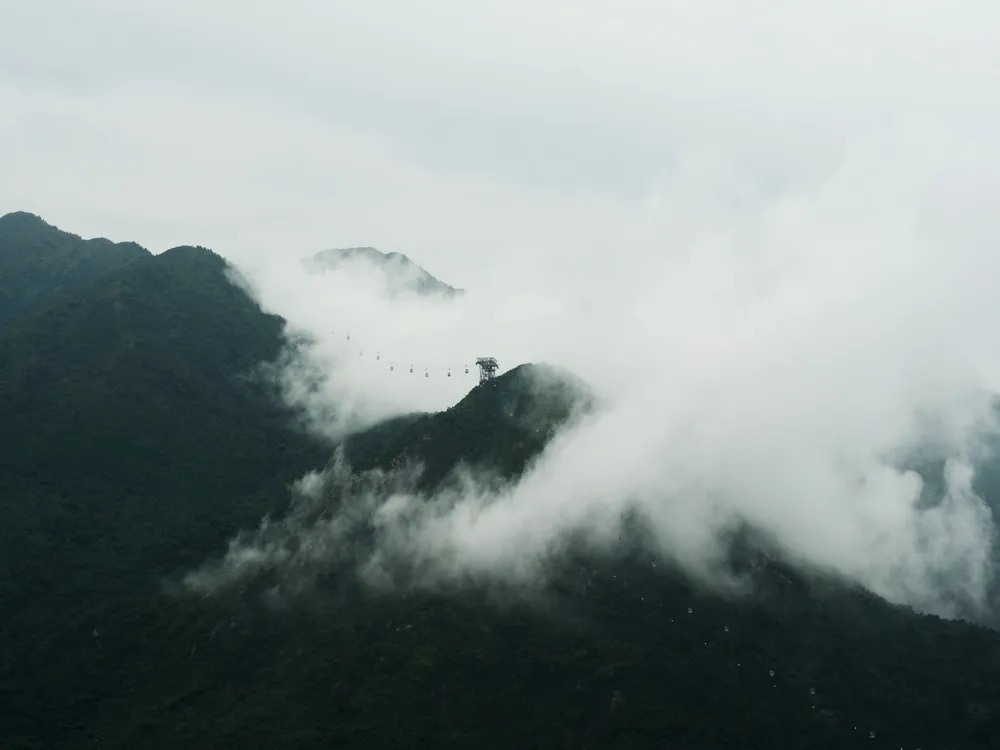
column 138, row 440
column 499, row 427
column 401, row 274
column 134, row 439
column 39, row 262
column 615, row 651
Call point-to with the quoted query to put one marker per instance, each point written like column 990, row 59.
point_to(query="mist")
column 767, row 363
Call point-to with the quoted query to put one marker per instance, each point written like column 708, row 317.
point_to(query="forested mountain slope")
column 136, row 442
column 38, row 262
column 132, row 442
column 614, row 651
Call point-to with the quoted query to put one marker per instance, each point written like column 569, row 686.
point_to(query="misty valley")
column 201, row 548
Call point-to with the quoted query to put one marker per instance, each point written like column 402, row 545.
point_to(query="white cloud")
column 766, row 362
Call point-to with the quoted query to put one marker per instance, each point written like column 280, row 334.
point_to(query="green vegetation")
column 498, row 427
column 134, row 443
column 39, row 262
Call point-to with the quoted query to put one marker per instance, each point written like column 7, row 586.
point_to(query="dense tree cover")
column 621, row 657
column 134, row 443
column 133, row 440
column 39, row 262
column 499, row 427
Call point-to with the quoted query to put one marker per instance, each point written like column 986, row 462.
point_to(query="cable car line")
column 463, row 368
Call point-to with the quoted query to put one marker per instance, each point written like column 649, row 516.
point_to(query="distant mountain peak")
column 196, row 253
column 401, row 273
column 21, row 219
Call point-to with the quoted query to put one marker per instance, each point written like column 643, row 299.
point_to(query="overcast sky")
column 453, row 129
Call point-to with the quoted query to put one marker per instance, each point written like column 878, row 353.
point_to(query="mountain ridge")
column 40, row 262
column 120, row 404
column 136, row 443
column 401, row 273
column 521, row 410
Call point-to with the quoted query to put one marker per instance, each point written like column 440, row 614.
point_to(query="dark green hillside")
column 501, row 425
column 134, row 447
column 132, row 442
column 39, row 262
column 614, row 653
column 154, row 361
column 618, row 660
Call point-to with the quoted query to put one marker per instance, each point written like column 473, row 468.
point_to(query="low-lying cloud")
column 767, row 359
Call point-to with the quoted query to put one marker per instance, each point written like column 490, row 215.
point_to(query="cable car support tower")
column 487, row 368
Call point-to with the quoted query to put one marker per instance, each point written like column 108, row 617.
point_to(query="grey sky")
column 447, row 129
